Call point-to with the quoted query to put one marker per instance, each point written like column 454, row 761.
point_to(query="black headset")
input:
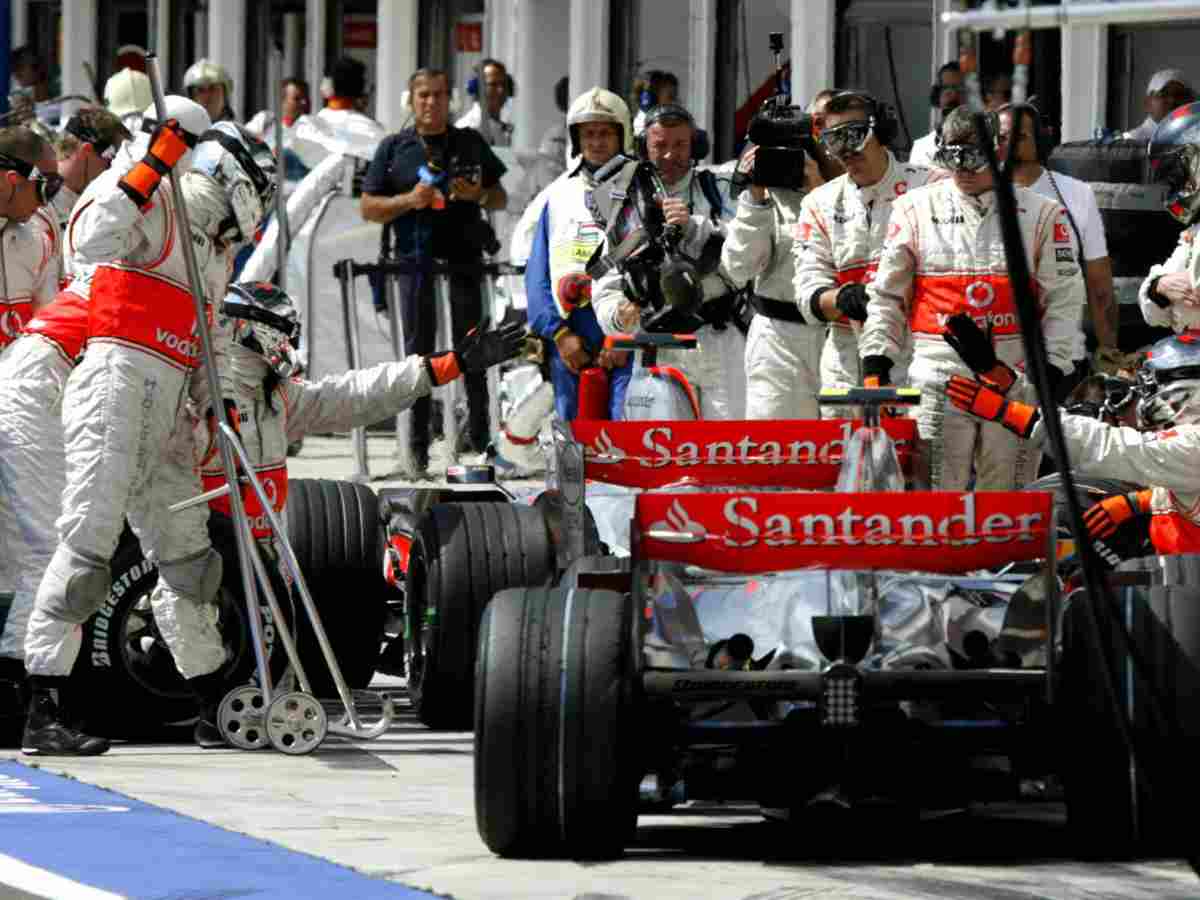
column 885, row 125
column 1043, row 132
column 700, row 146
column 510, row 86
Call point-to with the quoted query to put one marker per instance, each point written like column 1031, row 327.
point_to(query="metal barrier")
column 347, row 271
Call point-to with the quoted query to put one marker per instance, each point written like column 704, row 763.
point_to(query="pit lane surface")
column 401, row 808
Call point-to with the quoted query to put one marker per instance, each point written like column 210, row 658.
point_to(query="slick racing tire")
column 1120, row 803
column 125, row 674
column 556, row 724
column 462, row 554
column 335, row 532
column 1088, row 488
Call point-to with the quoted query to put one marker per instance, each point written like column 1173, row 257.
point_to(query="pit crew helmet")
column 1168, row 383
column 192, row 117
column 265, row 321
column 244, row 166
column 206, row 72
column 599, row 105
column 1174, row 156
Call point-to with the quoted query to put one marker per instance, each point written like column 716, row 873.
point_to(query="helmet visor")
column 847, row 139
column 1173, row 170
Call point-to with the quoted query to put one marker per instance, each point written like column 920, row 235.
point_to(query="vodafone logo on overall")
column 1061, row 234
column 930, row 531
column 11, row 322
column 980, row 295
column 901, row 188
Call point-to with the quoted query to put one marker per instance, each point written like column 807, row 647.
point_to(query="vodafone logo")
column 270, row 490
column 893, row 230
column 901, row 188
column 805, row 231
column 1061, row 234
column 980, row 294
column 10, row 323
column 182, row 345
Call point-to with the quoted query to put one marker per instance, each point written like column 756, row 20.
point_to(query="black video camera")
column 783, row 133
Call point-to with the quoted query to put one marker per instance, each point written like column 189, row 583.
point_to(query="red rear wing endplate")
column 796, row 453
column 923, row 531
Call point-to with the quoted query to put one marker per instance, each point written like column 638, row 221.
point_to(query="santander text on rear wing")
column 799, row 453
column 768, row 532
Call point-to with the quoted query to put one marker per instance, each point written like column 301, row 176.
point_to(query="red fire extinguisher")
column 593, row 394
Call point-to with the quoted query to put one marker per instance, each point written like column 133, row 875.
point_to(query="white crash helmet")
column 1168, row 383
column 266, row 322
column 244, row 167
column 599, row 105
column 128, row 93
column 206, row 72
column 192, row 117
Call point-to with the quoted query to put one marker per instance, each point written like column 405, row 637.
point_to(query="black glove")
column 852, row 301
column 974, row 347
column 481, row 349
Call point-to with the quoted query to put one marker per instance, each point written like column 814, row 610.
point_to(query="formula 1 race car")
column 809, row 650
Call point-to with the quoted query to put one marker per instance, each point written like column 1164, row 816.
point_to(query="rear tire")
column 462, row 554
column 335, row 532
column 1116, row 809
column 556, row 768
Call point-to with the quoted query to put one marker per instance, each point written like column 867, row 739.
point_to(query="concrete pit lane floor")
column 399, row 810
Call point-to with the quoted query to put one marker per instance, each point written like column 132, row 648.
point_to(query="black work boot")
column 14, row 698
column 210, row 690
column 48, row 731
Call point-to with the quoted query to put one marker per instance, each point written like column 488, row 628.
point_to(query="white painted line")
column 41, row 883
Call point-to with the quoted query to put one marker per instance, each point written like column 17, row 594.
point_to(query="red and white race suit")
column 121, row 407
column 1165, row 460
column 944, row 254
column 842, row 230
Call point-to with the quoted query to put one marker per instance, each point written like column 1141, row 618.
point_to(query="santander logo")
column 677, row 527
column 604, row 451
column 660, row 449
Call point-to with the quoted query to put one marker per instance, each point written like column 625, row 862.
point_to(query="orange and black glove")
column 477, row 352
column 877, row 371
column 974, row 347
column 574, row 290
column 985, row 402
column 1104, row 517
column 168, row 144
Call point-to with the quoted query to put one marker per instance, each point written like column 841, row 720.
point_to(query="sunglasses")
column 847, row 139
column 962, row 157
column 47, row 184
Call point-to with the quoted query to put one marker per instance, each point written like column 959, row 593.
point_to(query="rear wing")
column 943, row 531
column 798, row 453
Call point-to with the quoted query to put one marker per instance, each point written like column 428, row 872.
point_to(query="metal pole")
column 346, row 275
column 1039, row 17
column 283, row 241
column 215, row 394
column 493, row 372
column 308, row 351
column 391, row 295
column 450, row 392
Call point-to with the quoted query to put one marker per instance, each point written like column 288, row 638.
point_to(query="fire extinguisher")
column 592, row 402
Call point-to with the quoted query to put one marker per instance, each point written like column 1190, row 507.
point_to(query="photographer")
column 843, row 225
column 783, row 346
column 429, row 185
column 693, row 213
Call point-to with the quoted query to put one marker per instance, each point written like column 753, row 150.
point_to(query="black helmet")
column 1169, row 383
column 1174, row 156
column 268, row 323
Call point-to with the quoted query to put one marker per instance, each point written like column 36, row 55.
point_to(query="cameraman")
column 716, row 368
column 428, row 185
column 783, row 346
column 843, row 225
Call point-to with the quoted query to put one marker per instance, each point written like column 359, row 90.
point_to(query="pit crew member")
column 567, row 233
column 843, row 225
column 1170, row 295
column 122, row 405
column 944, row 254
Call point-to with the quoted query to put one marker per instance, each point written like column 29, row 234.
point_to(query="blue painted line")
column 114, row 843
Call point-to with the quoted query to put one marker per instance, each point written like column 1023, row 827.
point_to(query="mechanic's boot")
column 210, row 690
column 47, row 729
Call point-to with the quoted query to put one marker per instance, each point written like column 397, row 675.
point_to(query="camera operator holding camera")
column 843, row 225
column 676, row 260
column 429, row 185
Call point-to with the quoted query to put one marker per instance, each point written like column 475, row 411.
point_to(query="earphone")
column 510, row 86
column 656, row 114
column 885, row 126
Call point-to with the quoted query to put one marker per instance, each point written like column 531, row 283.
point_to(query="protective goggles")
column 88, row 135
column 962, row 157
column 847, row 139
column 47, row 184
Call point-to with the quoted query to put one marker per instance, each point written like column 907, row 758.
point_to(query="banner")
column 922, row 531
column 797, row 453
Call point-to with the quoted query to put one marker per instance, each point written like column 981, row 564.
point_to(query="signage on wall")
column 468, row 37
column 360, row 32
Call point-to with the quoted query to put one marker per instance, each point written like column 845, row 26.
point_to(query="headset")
column 656, row 114
column 885, row 125
column 510, row 86
column 1043, row 132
